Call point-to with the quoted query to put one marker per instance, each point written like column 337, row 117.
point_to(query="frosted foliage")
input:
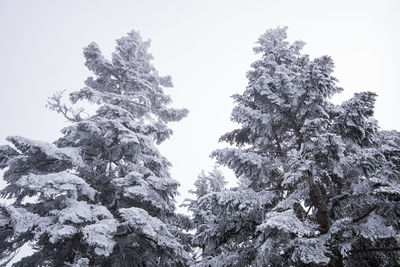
column 151, row 227
column 74, row 154
column 145, row 194
column 224, row 260
column 288, row 222
column 56, row 184
column 58, row 231
column 386, row 186
column 80, row 212
column 375, row 227
column 333, row 177
column 291, row 199
column 297, row 167
column 81, row 262
column 216, row 180
column 240, row 199
column 161, row 184
column 129, row 179
column 33, row 146
column 95, row 223
column 100, row 236
column 139, row 218
column 219, row 214
column 23, row 220
column 131, row 81
column 310, row 250
column 146, row 191
column 68, row 195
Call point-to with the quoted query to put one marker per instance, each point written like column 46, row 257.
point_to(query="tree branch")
column 54, row 103
column 355, row 220
column 131, row 231
column 308, row 211
column 277, row 140
column 376, row 250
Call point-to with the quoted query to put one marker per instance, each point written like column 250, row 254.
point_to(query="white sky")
column 206, row 46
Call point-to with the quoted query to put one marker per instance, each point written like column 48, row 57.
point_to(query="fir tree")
column 320, row 182
column 213, row 181
column 102, row 194
column 205, row 186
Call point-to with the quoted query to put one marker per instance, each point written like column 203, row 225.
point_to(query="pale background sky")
column 206, row 46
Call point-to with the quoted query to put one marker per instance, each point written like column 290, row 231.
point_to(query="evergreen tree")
column 214, row 181
column 202, row 185
column 102, row 194
column 205, row 186
column 320, row 183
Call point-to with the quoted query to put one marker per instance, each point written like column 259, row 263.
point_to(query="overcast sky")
column 206, row 46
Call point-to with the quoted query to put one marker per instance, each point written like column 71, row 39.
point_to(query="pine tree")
column 205, row 186
column 320, row 182
column 213, row 181
column 102, row 194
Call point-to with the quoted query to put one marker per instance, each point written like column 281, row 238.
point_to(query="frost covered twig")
column 54, row 103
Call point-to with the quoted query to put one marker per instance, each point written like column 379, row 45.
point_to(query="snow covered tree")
column 320, row 182
column 205, row 185
column 214, row 181
column 102, row 194
column 202, row 185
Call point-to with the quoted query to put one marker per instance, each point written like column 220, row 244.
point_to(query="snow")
column 144, row 193
column 81, row 212
column 57, row 232
column 294, row 149
column 100, row 236
column 23, row 221
column 150, row 226
column 25, row 144
column 288, row 222
column 76, row 182
column 32, row 146
column 139, row 218
column 55, row 184
column 310, row 250
column 95, row 222
column 162, row 184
